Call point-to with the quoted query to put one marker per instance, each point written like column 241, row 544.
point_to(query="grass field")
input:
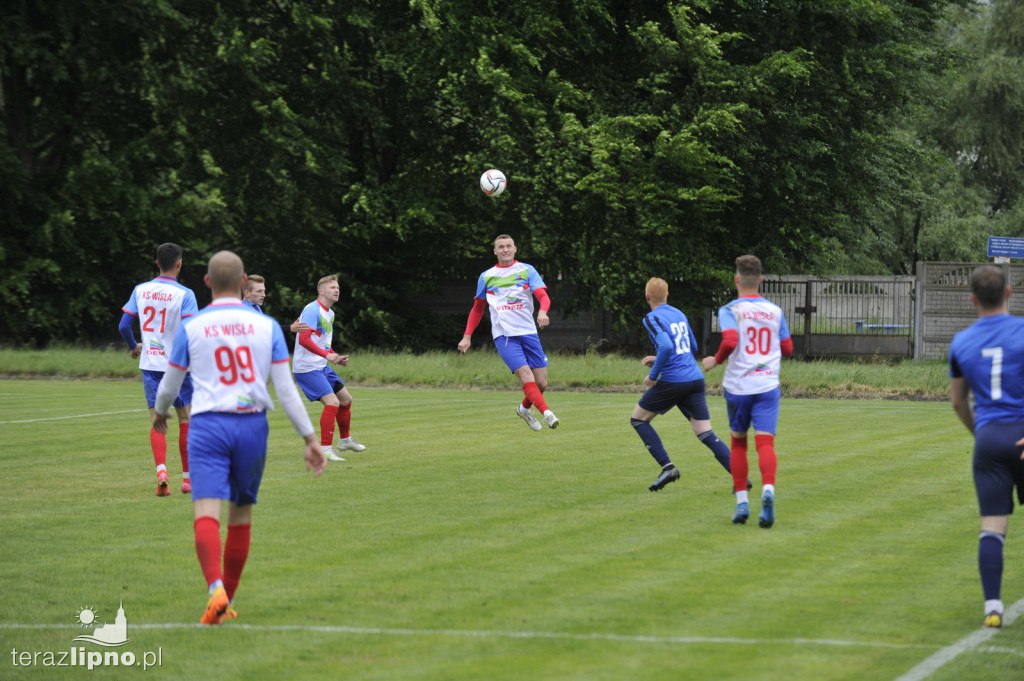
column 462, row 545
column 481, row 368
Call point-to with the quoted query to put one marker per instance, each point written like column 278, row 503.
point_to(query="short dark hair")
column 167, row 255
column 748, row 267
column 988, row 284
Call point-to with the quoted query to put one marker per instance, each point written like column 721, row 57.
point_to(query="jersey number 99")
column 235, row 365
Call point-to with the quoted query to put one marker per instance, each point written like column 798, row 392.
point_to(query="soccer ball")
column 493, row 182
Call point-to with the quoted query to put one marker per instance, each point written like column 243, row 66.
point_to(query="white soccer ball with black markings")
column 493, row 182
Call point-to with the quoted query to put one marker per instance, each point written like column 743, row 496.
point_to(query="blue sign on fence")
column 1005, row 247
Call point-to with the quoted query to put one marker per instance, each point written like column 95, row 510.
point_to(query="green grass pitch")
column 462, row 545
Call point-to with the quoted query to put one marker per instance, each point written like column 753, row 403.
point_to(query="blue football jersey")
column 674, row 345
column 989, row 354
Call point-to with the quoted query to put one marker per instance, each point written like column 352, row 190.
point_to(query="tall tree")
column 640, row 138
column 987, row 121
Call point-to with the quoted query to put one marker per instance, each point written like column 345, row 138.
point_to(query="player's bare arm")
column 959, row 393
column 648, row 361
column 542, row 319
column 160, row 422
column 475, row 315
column 314, row 455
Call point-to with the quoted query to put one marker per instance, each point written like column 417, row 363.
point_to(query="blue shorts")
column 761, row 410
column 226, row 455
column 151, row 381
column 687, row 395
column 998, row 467
column 521, row 351
column 316, row 384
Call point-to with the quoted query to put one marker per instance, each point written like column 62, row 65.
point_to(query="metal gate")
column 844, row 315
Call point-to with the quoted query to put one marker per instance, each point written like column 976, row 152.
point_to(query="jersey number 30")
column 759, row 340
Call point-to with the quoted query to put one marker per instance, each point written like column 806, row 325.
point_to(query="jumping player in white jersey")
column 319, row 381
column 231, row 351
column 507, row 289
column 755, row 337
column 160, row 305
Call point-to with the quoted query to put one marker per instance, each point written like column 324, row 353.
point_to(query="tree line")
column 640, row 139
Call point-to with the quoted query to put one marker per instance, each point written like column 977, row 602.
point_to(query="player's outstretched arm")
column 288, row 396
column 544, row 304
column 125, row 329
column 475, row 315
column 959, row 393
column 730, row 339
column 665, row 348
column 316, row 461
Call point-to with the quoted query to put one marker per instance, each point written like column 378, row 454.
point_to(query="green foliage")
column 988, row 129
column 640, row 139
column 961, row 149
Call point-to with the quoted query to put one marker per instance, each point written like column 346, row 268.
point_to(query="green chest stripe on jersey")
column 506, row 281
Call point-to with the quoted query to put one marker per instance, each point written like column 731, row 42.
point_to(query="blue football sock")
column 651, row 440
column 717, row 447
column 990, row 563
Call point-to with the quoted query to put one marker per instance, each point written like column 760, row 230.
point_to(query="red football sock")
column 327, row 425
column 207, row 531
column 738, row 463
column 236, row 551
column 183, row 448
column 344, row 419
column 766, row 458
column 534, row 395
column 159, row 443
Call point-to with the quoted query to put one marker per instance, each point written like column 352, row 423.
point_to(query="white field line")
column 466, row 400
column 73, row 416
column 972, row 641
column 470, row 633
